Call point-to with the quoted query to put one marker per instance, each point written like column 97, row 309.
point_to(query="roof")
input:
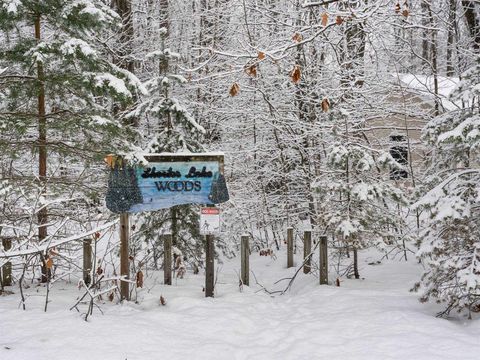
column 424, row 86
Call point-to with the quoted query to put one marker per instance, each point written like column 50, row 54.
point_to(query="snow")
column 72, row 45
column 11, row 6
column 347, row 227
column 118, row 85
column 467, row 129
column 132, row 80
column 211, row 153
column 87, row 7
column 362, row 191
column 425, row 85
column 100, row 120
column 52, row 244
column 372, row 318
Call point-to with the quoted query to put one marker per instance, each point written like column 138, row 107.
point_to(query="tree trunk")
column 452, row 20
column 42, row 215
column 473, row 23
column 124, row 59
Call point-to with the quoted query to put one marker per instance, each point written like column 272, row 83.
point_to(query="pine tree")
column 359, row 202
column 450, row 245
column 57, row 90
column 171, row 129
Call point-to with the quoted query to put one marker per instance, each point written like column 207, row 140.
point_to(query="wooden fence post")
column 307, row 249
column 87, row 261
column 289, row 247
column 323, row 260
column 167, row 259
column 124, row 261
column 7, row 267
column 245, row 254
column 209, row 266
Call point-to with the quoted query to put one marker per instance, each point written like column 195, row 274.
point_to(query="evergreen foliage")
column 57, row 95
column 172, row 129
column 450, row 245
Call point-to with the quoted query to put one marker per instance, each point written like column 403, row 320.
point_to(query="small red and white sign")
column 209, row 221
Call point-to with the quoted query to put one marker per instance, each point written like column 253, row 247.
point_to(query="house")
column 412, row 102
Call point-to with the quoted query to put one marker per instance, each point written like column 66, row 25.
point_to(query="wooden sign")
column 167, row 180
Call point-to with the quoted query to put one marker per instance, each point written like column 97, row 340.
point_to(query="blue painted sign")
column 163, row 184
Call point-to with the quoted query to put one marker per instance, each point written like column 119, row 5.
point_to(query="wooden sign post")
column 209, row 266
column 87, row 261
column 323, row 260
column 245, row 267
column 289, row 247
column 167, row 259
column 166, row 180
column 124, row 260
column 307, row 249
column 7, row 267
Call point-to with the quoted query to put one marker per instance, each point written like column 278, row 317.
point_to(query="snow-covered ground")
column 373, row 318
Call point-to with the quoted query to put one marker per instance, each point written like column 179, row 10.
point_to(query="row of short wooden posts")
column 209, row 258
column 209, row 265
column 307, row 256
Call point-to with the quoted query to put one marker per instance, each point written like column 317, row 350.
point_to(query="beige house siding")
column 380, row 130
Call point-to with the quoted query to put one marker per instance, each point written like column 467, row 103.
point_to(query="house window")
column 399, row 152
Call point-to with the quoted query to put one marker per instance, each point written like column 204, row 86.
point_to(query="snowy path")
column 375, row 318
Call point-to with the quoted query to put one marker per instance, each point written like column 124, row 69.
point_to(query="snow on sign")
column 209, row 221
column 166, row 180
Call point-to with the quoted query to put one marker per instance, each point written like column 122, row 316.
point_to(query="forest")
column 354, row 120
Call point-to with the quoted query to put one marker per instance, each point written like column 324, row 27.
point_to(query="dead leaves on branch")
column 324, row 18
column 296, row 74
column 325, row 105
column 251, row 70
column 234, row 89
column 405, row 12
column 297, row 37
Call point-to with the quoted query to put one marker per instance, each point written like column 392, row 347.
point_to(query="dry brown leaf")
column 296, row 74
column 49, row 263
column 234, row 89
column 325, row 105
column 261, row 55
column 297, row 37
column 405, row 13
column 324, row 19
column 110, row 296
column 162, row 300
column 110, row 160
column 99, row 270
column 339, row 20
column 139, row 279
column 251, row 70
column 397, row 8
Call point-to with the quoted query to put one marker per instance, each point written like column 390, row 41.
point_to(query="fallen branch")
column 45, row 247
